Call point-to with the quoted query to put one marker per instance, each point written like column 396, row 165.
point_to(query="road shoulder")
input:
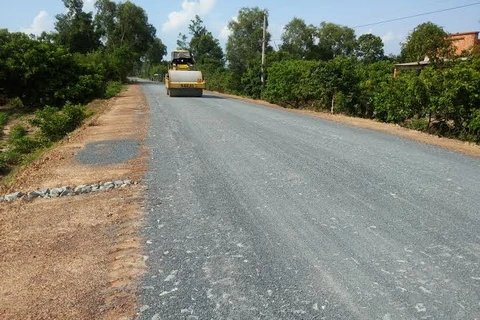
column 78, row 256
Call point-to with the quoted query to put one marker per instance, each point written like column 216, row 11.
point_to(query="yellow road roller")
column 182, row 80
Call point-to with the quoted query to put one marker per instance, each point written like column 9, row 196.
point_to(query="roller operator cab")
column 182, row 80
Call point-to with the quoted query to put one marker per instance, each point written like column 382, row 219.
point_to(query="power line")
column 417, row 15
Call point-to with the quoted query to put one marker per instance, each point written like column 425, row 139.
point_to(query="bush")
column 474, row 126
column 420, row 124
column 54, row 124
column 10, row 158
column 3, row 119
column 19, row 143
column 289, row 83
column 25, row 145
column 3, row 163
column 16, row 132
column 113, row 88
column 16, row 103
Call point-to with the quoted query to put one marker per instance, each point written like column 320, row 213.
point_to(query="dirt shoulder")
column 77, row 257
column 467, row 148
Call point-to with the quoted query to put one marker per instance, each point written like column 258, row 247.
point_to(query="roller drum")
column 184, row 76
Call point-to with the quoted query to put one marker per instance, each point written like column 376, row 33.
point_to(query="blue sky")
column 172, row 16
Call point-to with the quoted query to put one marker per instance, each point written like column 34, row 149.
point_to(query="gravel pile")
column 67, row 191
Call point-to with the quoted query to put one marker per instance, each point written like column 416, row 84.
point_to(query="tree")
column 124, row 25
column 205, row 48
column 290, row 83
column 369, row 48
column 244, row 47
column 182, row 41
column 105, row 20
column 156, row 52
column 133, row 29
column 75, row 28
column 128, row 37
column 426, row 40
column 338, row 82
column 298, row 39
column 196, row 27
column 335, row 40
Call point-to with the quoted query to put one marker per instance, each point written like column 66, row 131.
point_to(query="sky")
column 173, row 16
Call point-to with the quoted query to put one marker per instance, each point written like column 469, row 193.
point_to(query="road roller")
column 182, row 80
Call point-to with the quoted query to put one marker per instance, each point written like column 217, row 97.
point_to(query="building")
column 462, row 42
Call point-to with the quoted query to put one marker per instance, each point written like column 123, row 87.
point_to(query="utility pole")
column 264, row 40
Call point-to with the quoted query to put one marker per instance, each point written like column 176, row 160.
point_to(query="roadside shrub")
column 10, row 158
column 19, row 142
column 25, row 145
column 113, row 88
column 3, row 163
column 3, row 119
column 289, row 83
column 16, row 103
column 475, row 126
column 87, row 88
column 420, row 124
column 16, row 132
column 54, row 124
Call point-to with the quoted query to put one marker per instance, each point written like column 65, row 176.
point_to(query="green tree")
column 338, row 82
column 127, row 34
column 75, row 28
column 133, row 29
column 369, row 48
column 105, row 21
column 205, row 48
column 455, row 96
column 298, row 40
column 182, row 42
column 289, row 83
column 335, row 40
column 124, row 25
column 372, row 76
column 243, row 50
column 426, row 40
column 156, row 52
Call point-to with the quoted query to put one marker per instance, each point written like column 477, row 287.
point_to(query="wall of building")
column 464, row 41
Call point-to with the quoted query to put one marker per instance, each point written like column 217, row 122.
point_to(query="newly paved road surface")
column 260, row 213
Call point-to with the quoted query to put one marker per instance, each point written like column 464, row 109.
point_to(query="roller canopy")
column 181, row 54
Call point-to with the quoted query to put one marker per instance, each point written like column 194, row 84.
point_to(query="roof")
column 463, row 33
column 416, row 63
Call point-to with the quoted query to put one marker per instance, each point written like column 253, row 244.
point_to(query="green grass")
column 113, row 88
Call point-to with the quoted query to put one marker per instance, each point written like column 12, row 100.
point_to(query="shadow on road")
column 211, row 96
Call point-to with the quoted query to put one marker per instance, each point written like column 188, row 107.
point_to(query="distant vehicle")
column 182, row 80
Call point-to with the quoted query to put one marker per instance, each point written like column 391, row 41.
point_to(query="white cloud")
column 177, row 19
column 276, row 32
column 88, row 5
column 369, row 31
column 41, row 22
column 225, row 31
column 390, row 36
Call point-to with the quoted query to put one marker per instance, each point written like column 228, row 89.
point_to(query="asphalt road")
column 260, row 213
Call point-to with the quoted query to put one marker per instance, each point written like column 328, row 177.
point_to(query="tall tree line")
column 76, row 61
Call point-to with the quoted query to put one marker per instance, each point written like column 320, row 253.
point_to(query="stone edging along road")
column 67, row 191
